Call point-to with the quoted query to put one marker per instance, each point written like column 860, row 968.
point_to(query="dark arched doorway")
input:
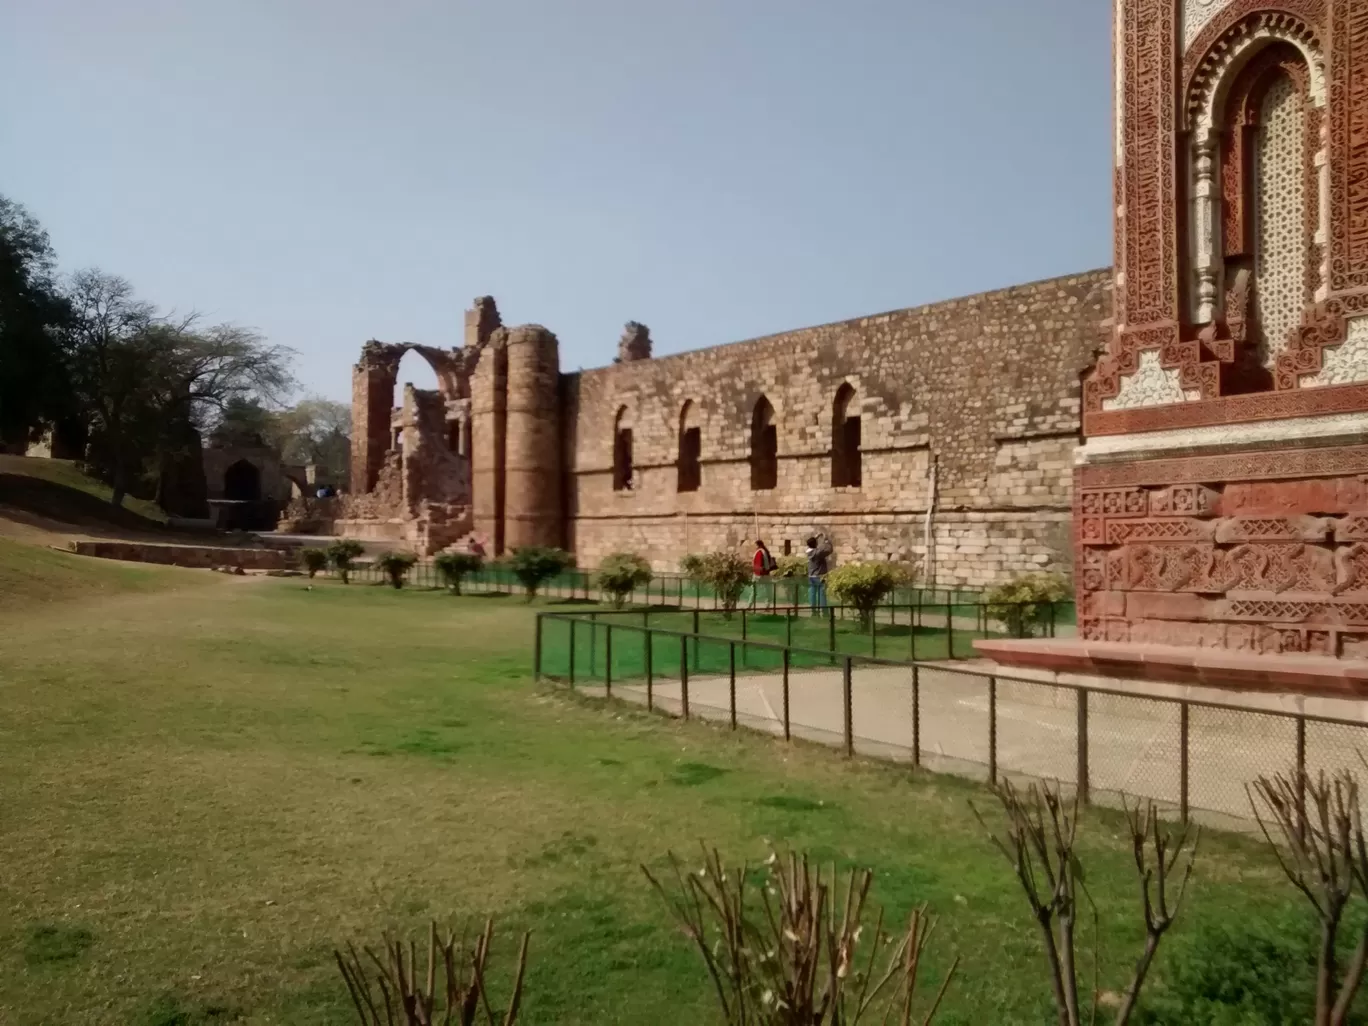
column 242, row 482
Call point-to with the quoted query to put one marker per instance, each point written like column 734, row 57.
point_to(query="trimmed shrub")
column 396, row 566
column 313, row 559
column 727, row 573
column 691, row 566
column 341, row 554
column 534, row 565
column 1025, row 605
column 791, row 566
column 865, row 585
column 622, row 573
column 456, row 566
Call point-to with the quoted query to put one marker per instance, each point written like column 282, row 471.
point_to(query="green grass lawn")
column 68, row 475
column 206, row 782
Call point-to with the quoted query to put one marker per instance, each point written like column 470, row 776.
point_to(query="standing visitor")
column 818, row 554
column 762, row 565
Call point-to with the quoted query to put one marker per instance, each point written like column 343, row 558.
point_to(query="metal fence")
column 912, row 631
column 1190, row 757
column 773, row 593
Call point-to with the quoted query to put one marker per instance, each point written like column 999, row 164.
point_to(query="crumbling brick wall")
column 985, row 388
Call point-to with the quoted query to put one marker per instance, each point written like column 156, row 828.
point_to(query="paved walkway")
column 1134, row 742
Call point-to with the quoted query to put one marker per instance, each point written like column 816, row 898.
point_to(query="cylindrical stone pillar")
column 488, row 394
column 532, row 463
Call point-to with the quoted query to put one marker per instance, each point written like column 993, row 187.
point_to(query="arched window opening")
column 845, row 441
column 1257, row 202
column 622, row 452
column 690, row 469
column 764, row 457
column 242, row 482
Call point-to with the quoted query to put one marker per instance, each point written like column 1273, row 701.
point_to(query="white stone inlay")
column 1150, row 385
column 1197, row 14
column 1345, row 363
column 1290, row 431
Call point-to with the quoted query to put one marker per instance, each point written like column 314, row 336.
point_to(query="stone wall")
column 984, row 391
column 199, row 556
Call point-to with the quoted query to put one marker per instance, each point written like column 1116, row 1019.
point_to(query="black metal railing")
column 1186, row 754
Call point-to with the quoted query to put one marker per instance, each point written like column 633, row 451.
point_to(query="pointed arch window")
column 622, row 452
column 846, row 471
column 764, row 447
column 690, row 468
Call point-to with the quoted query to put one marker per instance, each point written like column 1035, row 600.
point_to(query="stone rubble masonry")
column 198, row 556
column 986, row 386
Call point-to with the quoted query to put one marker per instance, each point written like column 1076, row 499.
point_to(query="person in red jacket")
column 762, row 565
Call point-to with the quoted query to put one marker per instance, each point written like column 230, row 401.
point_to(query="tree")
column 143, row 378
column 315, row 431
column 244, row 423
column 622, row 573
column 34, row 317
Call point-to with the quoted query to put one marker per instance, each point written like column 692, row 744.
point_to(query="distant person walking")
column 818, row 556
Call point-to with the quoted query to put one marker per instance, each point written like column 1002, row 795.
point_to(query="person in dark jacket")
column 818, row 559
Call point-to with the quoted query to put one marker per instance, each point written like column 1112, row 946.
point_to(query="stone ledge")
column 1208, row 667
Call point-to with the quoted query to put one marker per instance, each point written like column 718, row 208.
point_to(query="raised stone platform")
column 198, row 556
column 1209, row 667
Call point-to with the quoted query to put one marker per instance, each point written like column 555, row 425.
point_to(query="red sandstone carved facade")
column 1188, row 531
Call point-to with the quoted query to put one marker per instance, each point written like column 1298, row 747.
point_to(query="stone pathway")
column 1134, row 742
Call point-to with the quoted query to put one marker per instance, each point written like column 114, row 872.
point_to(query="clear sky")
column 329, row 171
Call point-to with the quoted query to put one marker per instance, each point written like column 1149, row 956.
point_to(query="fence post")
column 608, row 659
column 949, row 630
column 788, row 730
column 684, row 674
column 992, row 731
column 1083, row 770
column 916, row 716
column 874, row 634
column 573, row 624
column 831, row 631
column 593, row 645
column 1301, row 776
column 697, row 656
column 788, row 627
column 731, row 678
column 650, row 673
column 537, row 651
column 1183, row 787
column 912, row 612
column 849, row 718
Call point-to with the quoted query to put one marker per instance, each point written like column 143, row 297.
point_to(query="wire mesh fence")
column 1190, row 757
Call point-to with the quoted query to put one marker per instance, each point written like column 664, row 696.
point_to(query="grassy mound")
column 33, row 576
column 60, row 490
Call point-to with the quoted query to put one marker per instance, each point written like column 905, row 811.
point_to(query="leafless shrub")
column 389, row 991
column 1040, row 844
column 793, row 960
column 1320, row 846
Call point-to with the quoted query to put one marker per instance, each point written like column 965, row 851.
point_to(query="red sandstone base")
column 197, row 556
column 1211, row 667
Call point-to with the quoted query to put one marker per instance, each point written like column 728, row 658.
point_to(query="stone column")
column 532, row 512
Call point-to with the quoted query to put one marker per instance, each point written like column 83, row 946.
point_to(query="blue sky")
column 329, row 172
